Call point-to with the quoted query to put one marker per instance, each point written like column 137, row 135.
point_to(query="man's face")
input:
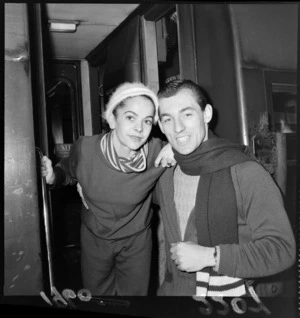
column 183, row 121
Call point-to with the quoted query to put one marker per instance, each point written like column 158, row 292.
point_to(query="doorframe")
column 186, row 42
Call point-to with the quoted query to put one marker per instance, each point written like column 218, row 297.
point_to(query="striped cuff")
column 219, row 285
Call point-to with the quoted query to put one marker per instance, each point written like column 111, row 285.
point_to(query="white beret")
column 126, row 90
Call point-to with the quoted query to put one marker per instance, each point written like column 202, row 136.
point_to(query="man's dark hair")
column 173, row 87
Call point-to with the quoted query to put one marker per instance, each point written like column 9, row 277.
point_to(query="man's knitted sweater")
column 266, row 245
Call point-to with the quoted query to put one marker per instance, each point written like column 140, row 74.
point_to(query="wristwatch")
column 216, row 258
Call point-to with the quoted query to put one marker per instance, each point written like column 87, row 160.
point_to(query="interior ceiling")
column 96, row 22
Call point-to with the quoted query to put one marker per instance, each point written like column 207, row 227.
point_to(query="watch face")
column 215, row 253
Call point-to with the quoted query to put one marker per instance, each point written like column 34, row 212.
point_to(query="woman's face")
column 132, row 125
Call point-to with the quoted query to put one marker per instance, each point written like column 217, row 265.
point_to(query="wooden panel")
column 123, row 57
column 216, row 66
column 186, row 42
column 86, row 99
column 150, row 54
column 95, row 100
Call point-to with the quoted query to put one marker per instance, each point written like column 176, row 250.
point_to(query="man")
column 224, row 219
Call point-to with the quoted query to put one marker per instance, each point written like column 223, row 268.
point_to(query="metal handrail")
column 47, row 226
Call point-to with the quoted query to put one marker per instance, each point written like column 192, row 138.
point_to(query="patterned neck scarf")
column 137, row 163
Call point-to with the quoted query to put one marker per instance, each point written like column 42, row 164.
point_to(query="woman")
column 117, row 174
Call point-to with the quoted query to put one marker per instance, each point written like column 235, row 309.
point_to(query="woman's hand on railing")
column 47, row 170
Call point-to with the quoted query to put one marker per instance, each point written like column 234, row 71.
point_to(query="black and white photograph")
column 110, row 111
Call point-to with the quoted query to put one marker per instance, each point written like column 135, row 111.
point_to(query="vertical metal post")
column 40, row 107
column 243, row 122
column 39, row 78
column 46, row 219
column 22, row 254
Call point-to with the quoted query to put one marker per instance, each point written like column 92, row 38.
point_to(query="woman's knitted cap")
column 126, row 90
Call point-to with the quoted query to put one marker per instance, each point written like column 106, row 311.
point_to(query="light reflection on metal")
column 20, row 58
column 243, row 123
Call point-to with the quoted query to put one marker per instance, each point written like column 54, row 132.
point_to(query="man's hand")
column 79, row 189
column 166, row 157
column 191, row 257
column 47, row 170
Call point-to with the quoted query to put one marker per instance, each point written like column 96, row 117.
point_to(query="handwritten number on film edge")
column 238, row 305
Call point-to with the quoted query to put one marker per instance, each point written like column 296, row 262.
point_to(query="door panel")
column 64, row 113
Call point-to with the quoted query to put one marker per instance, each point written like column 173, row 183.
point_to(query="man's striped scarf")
column 209, row 284
column 136, row 163
column 216, row 215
